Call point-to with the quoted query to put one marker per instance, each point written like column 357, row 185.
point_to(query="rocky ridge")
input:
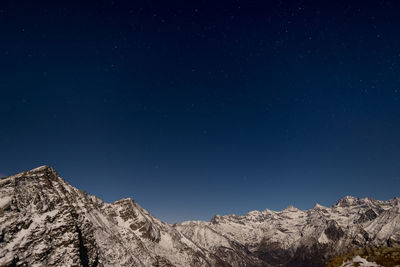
column 47, row 222
column 295, row 237
column 44, row 221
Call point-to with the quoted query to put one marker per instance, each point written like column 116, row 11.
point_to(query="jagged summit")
column 42, row 171
column 44, row 221
column 346, row 201
column 318, row 207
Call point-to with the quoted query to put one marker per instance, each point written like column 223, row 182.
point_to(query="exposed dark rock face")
column 333, row 231
column 44, row 221
column 369, row 215
column 273, row 253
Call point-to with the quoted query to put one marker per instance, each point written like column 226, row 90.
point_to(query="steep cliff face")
column 44, row 221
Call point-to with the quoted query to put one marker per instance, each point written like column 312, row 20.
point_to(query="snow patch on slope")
column 359, row 261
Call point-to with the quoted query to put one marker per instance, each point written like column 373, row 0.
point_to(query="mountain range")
column 44, row 221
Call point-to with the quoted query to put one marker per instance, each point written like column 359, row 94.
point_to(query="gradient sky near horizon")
column 197, row 108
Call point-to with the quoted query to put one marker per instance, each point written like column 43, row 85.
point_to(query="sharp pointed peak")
column 346, row 201
column 318, row 206
column 254, row 212
column 44, row 170
column 268, row 211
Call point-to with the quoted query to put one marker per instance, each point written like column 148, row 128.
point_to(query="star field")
column 194, row 109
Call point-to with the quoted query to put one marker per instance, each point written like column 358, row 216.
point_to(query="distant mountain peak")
column 319, row 207
column 347, row 201
column 291, row 208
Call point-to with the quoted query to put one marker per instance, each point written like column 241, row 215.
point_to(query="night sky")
column 194, row 108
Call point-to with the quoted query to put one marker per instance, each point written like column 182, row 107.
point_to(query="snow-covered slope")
column 47, row 222
column 44, row 221
column 295, row 237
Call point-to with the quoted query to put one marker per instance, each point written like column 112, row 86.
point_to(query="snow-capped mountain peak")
column 43, row 219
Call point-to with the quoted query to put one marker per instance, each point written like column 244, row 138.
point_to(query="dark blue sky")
column 194, row 109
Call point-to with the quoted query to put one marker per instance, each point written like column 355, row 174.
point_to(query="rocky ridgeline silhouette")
column 44, row 221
